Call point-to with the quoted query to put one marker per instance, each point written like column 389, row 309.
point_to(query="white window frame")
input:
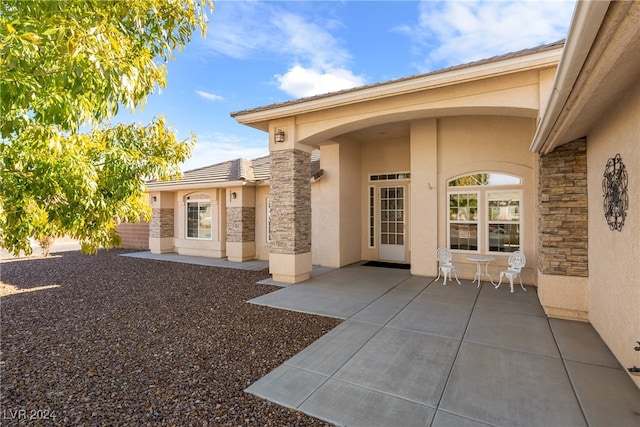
column 483, row 222
column 268, row 220
column 477, row 221
column 198, row 201
column 488, row 221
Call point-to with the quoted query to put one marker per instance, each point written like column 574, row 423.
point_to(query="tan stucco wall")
column 350, row 203
column 473, row 144
column 262, row 246
column 614, row 256
column 424, row 197
column 336, row 209
column 435, row 151
column 516, row 94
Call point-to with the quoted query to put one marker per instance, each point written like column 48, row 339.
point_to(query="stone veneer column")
column 563, row 223
column 290, row 193
column 241, row 233
column 563, row 267
column 161, row 230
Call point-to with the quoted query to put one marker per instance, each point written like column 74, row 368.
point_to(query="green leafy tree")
column 470, row 180
column 66, row 67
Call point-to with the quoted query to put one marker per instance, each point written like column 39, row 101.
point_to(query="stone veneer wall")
column 161, row 224
column 290, row 194
column 241, row 224
column 563, row 222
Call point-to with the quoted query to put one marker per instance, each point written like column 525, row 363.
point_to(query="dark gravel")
column 125, row 341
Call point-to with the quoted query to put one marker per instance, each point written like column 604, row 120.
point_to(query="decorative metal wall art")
column 614, row 187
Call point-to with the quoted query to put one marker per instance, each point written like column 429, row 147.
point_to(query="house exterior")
column 516, row 152
column 218, row 211
column 391, row 154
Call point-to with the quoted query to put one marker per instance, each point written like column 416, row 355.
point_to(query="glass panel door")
column 392, row 223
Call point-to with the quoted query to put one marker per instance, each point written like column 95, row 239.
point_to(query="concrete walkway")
column 412, row 352
column 197, row 260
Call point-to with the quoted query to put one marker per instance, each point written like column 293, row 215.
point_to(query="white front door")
column 392, row 223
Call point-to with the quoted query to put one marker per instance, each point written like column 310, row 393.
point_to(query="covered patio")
column 414, row 352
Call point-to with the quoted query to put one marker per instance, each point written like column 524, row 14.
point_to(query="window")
column 269, row 238
column 392, row 215
column 504, row 221
column 372, row 218
column 463, row 221
column 493, row 228
column 389, row 176
column 198, row 219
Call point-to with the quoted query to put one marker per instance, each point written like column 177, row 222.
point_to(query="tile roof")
column 254, row 171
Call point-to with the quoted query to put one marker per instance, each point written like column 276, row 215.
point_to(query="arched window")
column 484, row 212
column 198, row 216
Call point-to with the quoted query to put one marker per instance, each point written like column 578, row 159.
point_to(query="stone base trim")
column 208, row 253
column 289, row 268
column 241, row 251
column 161, row 245
column 565, row 297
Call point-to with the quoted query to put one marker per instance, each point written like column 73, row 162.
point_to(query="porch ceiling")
column 395, row 130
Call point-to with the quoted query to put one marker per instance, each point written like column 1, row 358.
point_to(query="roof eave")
column 259, row 117
column 177, row 186
column 585, row 24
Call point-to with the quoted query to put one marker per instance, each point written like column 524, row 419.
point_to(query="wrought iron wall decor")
column 614, row 187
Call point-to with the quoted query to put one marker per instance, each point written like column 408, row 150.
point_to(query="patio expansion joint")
column 566, row 370
column 329, row 377
column 511, row 349
column 455, row 359
column 387, row 292
column 380, row 327
column 395, row 396
column 466, row 417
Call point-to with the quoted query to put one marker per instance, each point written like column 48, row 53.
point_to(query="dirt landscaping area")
column 113, row 340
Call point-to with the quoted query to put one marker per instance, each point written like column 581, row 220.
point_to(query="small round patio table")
column 479, row 259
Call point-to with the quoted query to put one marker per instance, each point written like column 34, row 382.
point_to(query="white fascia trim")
column 194, row 186
column 448, row 78
column 585, row 24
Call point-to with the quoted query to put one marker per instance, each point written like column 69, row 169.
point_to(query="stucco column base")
column 161, row 245
column 241, row 251
column 564, row 297
column 288, row 268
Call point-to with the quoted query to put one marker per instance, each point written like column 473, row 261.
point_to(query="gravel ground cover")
column 112, row 340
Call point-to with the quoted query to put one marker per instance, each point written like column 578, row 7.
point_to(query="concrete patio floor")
column 412, row 352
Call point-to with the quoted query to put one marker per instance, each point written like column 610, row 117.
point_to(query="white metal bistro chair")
column 517, row 261
column 443, row 255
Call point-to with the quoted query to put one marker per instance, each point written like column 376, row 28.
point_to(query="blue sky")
column 261, row 52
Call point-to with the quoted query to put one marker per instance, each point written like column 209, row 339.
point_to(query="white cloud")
column 318, row 61
column 209, row 96
column 312, row 44
column 451, row 33
column 237, row 29
column 219, row 147
column 303, row 82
